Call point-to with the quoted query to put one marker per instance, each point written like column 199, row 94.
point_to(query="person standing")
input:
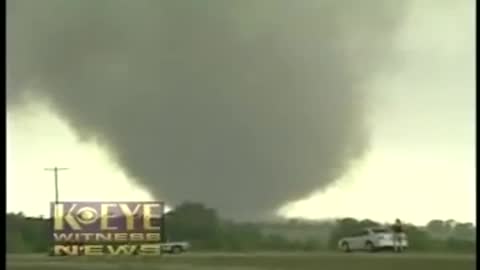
column 397, row 229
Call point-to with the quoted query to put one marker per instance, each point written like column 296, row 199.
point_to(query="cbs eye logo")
column 75, row 217
column 86, row 215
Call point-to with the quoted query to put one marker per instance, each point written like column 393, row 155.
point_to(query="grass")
column 253, row 261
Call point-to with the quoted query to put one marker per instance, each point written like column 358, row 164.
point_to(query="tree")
column 438, row 228
column 464, row 231
column 420, row 239
column 193, row 222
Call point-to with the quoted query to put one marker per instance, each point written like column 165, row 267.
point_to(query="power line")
column 55, row 172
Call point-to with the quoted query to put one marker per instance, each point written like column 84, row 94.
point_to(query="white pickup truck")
column 371, row 239
column 175, row 247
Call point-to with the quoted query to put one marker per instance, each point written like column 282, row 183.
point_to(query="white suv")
column 371, row 239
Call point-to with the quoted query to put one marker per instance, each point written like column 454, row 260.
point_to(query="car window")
column 359, row 233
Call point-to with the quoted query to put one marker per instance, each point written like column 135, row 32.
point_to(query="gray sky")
column 421, row 164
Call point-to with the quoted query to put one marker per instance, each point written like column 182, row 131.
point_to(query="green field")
column 253, row 261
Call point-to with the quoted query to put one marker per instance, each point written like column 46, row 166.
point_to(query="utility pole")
column 163, row 230
column 55, row 172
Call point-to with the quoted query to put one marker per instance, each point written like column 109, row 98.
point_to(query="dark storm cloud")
column 242, row 105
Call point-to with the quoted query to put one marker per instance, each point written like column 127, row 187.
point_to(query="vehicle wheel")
column 369, row 246
column 176, row 250
column 345, row 247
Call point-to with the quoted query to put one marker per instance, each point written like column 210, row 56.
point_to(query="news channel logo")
column 106, row 228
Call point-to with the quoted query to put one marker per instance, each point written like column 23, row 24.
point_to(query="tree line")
column 205, row 230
